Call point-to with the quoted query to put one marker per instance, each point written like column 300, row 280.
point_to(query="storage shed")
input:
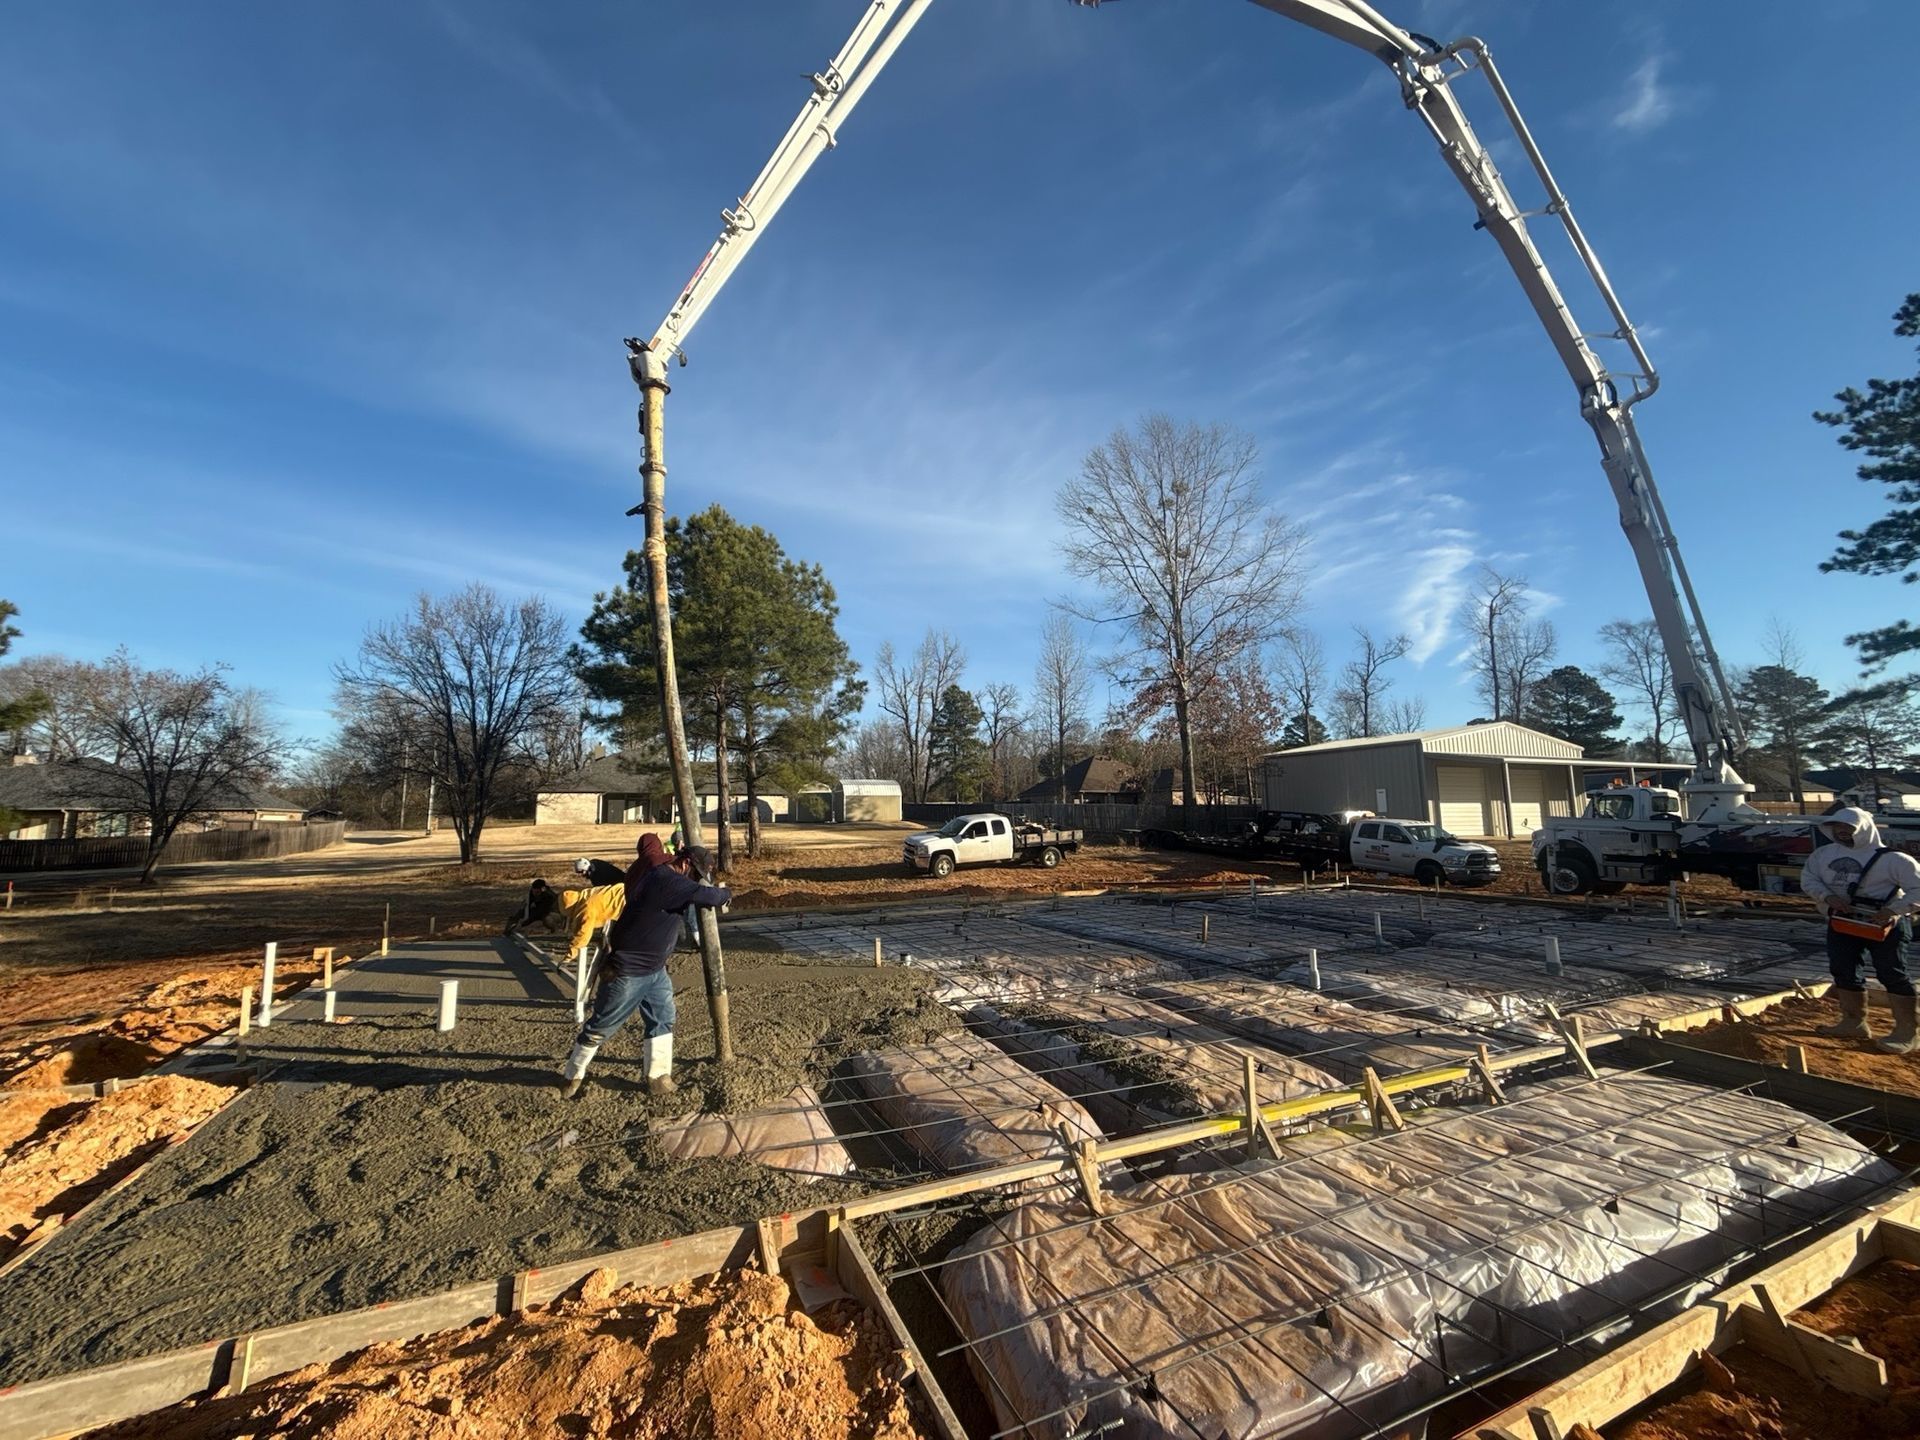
column 866, row 800
column 1496, row 780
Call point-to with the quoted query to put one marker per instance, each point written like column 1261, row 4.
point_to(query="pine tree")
column 1786, row 716
column 1885, row 424
column 961, row 763
column 1571, row 704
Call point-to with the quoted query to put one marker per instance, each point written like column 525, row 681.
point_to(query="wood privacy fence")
column 131, row 851
column 1098, row 819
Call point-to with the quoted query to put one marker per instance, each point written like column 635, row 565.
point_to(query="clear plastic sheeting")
column 1337, row 1292
column 1100, row 1048
column 793, row 1135
column 1242, row 933
column 1342, row 1039
column 962, row 1104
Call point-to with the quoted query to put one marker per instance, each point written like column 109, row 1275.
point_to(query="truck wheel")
column 1572, row 874
column 1049, row 856
column 942, row 866
column 1428, row 874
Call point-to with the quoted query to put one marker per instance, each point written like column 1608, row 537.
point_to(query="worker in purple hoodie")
column 633, row 972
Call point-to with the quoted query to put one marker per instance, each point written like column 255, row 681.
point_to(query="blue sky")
column 305, row 309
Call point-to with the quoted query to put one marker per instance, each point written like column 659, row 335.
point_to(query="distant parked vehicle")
column 988, row 839
column 1358, row 839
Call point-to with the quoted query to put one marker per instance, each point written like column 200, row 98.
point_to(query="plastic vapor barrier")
column 1107, row 1050
column 1329, row 1294
column 793, row 1135
column 963, row 1105
column 1340, row 1038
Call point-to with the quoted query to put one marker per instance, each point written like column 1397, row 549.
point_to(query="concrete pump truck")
column 1634, row 836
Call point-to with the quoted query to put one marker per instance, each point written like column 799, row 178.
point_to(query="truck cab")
column 1422, row 850
column 1625, row 835
column 987, row 839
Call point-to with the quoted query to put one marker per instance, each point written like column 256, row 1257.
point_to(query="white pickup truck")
column 1422, row 850
column 987, row 839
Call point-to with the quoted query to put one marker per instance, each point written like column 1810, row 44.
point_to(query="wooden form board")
column 1641, row 1368
column 68, row 1404
column 863, row 1282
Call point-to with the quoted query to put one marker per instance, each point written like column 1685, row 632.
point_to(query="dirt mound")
column 180, row 1011
column 1752, row 1398
column 67, row 1152
column 725, row 1356
column 1771, row 1036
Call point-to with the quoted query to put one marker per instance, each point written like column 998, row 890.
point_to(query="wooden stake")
column 1385, row 1114
column 1482, row 1065
column 1574, row 1033
column 1797, row 1059
column 769, row 1245
column 830, row 1243
column 1203, row 927
column 1258, row 1131
column 246, row 1010
column 1081, row 1152
column 878, row 957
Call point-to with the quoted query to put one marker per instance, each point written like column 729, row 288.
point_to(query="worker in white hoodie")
column 1864, row 889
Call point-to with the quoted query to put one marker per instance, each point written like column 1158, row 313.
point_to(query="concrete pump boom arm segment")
column 1426, row 71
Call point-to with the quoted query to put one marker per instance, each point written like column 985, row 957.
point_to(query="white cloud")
column 1436, row 580
column 1648, row 103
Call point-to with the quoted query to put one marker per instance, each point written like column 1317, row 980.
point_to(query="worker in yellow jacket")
column 588, row 910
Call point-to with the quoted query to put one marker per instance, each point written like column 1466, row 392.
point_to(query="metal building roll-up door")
column 1463, row 799
column 1529, row 800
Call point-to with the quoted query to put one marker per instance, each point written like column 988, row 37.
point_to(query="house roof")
column 614, row 774
column 1493, row 737
column 84, row 784
column 1095, row 775
column 1847, row 778
column 867, row 787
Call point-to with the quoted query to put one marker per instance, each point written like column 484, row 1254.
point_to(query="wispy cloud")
column 1648, row 103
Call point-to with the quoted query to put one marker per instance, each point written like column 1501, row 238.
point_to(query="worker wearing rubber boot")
column 1867, row 893
column 633, row 972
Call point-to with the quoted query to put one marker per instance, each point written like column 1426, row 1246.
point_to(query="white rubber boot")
column 1853, row 1014
column 573, row 1074
column 1904, row 1039
column 657, row 1054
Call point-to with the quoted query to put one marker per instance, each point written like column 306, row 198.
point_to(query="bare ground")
column 1772, row 1035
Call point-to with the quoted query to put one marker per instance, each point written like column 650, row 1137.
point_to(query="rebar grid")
column 1497, row 1244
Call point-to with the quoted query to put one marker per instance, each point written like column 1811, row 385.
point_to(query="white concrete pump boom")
column 1426, row 71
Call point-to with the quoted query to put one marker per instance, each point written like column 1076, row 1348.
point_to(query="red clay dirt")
column 1749, row 1397
column 56, row 1153
column 1771, row 1036
column 726, row 1357
column 67, row 1029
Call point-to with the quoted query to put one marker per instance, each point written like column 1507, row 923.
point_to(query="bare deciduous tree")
column 181, row 743
column 908, row 693
column 1361, row 695
column 1402, row 717
column 1061, row 680
column 1487, row 614
column 1168, row 525
column 1528, row 646
column 1637, row 663
column 1301, row 671
column 1000, row 704
column 473, row 681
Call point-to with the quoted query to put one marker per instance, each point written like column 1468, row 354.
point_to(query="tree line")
column 469, row 702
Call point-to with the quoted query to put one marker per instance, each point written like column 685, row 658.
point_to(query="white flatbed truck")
column 988, row 839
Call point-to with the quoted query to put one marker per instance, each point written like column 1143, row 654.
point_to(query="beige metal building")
column 866, row 800
column 1495, row 780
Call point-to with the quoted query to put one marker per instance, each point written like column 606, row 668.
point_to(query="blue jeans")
column 1847, row 956
column 619, row 996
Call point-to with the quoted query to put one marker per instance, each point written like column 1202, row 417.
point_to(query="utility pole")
column 649, row 370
